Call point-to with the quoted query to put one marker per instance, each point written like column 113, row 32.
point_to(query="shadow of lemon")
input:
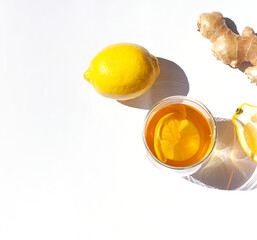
column 171, row 81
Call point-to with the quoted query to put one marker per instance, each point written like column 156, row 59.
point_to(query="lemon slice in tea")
column 245, row 120
column 176, row 138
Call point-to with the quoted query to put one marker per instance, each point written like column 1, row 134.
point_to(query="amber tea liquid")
column 196, row 119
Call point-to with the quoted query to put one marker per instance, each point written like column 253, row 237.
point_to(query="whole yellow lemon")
column 123, row 71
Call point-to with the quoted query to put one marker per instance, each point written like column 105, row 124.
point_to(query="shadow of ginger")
column 229, row 167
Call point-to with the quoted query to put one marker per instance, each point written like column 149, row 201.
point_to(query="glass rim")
column 180, row 97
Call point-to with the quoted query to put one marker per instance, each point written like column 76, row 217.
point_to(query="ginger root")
column 228, row 47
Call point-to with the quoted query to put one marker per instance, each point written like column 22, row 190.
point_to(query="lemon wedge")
column 245, row 120
column 176, row 138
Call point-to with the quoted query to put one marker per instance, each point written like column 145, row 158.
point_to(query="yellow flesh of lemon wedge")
column 176, row 138
column 245, row 120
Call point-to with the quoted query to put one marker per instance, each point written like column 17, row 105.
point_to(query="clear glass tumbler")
column 190, row 169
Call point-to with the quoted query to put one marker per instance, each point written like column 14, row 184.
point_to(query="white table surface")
column 73, row 164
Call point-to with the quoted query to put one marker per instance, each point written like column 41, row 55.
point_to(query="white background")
column 73, row 164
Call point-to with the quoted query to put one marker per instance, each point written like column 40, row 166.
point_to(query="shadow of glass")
column 229, row 167
column 171, row 81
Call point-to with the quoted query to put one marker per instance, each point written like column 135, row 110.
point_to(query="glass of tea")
column 179, row 134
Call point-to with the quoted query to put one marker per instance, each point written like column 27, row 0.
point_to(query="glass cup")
column 192, row 103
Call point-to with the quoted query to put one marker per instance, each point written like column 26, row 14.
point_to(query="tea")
column 178, row 135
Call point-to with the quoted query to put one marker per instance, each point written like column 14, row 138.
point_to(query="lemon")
column 122, row 71
column 176, row 138
column 245, row 120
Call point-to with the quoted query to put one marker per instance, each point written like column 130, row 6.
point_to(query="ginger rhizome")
column 228, row 47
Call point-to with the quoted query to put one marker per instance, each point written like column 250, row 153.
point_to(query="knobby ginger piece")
column 228, row 47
